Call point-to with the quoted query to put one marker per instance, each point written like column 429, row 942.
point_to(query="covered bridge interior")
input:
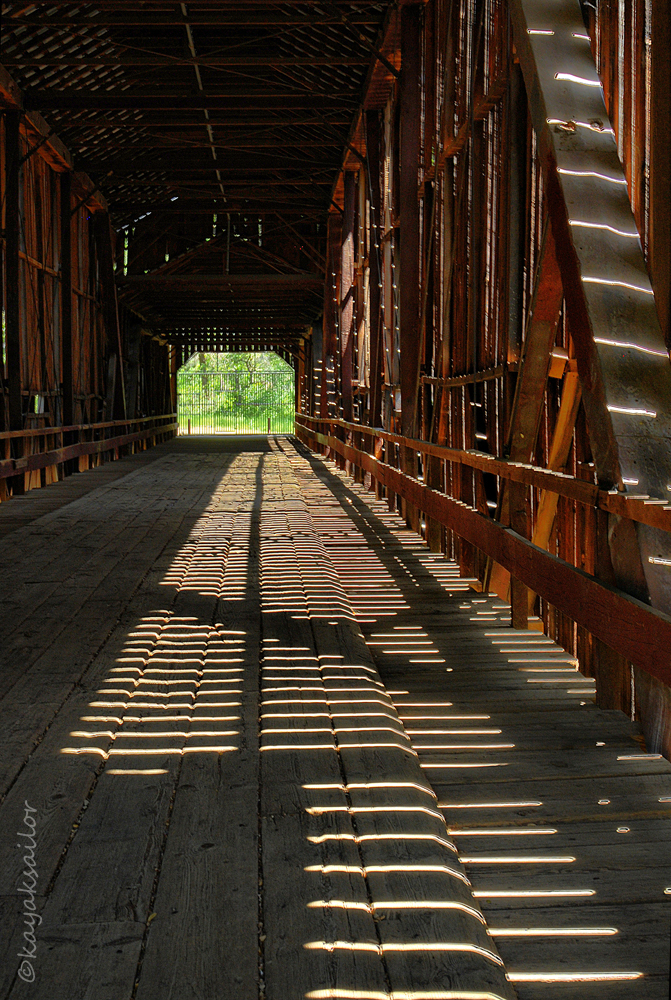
column 380, row 709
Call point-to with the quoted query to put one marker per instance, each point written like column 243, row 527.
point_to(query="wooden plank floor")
column 40, row 502
column 271, row 748
column 561, row 818
column 206, row 790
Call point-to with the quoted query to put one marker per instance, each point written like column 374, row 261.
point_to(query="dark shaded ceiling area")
column 216, row 132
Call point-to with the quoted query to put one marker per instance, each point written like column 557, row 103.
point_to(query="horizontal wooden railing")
column 28, row 451
column 628, row 626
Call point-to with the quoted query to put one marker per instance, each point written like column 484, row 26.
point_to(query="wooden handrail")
column 19, row 465
column 640, row 633
column 655, row 512
column 29, row 432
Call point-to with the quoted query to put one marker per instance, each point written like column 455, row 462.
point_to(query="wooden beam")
column 313, row 282
column 155, row 59
column 562, row 440
column 518, row 500
column 117, row 389
column 527, row 408
column 347, row 296
column 221, row 19
column 622, row 357
column 190, row 139
column 42, row 141
column 41, row 460
column 559, row 451
column 317, row 372
column 655, row 512
column 660, row 166
column 235, row 166
column 373, row 151
column 331, row 287
column 130, row 100
column 13, row 311
column 640, row 633
column 539, row 340
column 409, row 257
column 516, row 191
column 269, row 205
column 408, row 277
column 65, row 231
column 222, row 120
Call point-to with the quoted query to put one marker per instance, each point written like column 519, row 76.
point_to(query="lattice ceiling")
column 215, row 131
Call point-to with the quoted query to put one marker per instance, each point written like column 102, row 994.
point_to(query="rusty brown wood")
column 347, row 294
column 624, row 368
column 536, row 354
column 66, row 223
column 484, row 104
column 625, row 624
column 408, row 278
column 224, row 61
column 13, row 311
column 518, row 499
column 488, row 232
column 484, row 375
column 557, row 458
column 33, row 432
column 373, row 155
column 329, row 313
column 660, row 168
column 527, row 408
column 55, row 456
column 652, row 511
column 408, row 275
column 217, row 18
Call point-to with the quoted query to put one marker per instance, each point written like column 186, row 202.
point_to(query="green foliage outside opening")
column 235, row 394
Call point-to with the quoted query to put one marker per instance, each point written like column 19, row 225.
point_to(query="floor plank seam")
column 155, row 884
column 261, row 920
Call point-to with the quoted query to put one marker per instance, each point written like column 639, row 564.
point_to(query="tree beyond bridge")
column 236, row 393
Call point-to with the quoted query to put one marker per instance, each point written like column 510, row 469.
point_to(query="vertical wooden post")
column 12, row 271
column 409, row 215
column 373, row 142
column 437, row 471
column 300, row 377
column 527, row 406
column 317, row 372
column 174, row 365
column 329, row 329
column 660, row 167
column 347, row 296
column 519, row 593
column 411, row 21
column 68, row 400
column 611, row 670
column 378, row 453
column 41, row 318
column 117, row 392
column 516, row 208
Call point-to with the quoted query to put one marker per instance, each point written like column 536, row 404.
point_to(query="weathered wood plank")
column 94, row 961
column 203, row 939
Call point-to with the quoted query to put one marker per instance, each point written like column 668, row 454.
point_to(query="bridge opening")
column 235, row 393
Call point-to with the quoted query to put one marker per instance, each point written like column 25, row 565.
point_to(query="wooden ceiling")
column 216, row 132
